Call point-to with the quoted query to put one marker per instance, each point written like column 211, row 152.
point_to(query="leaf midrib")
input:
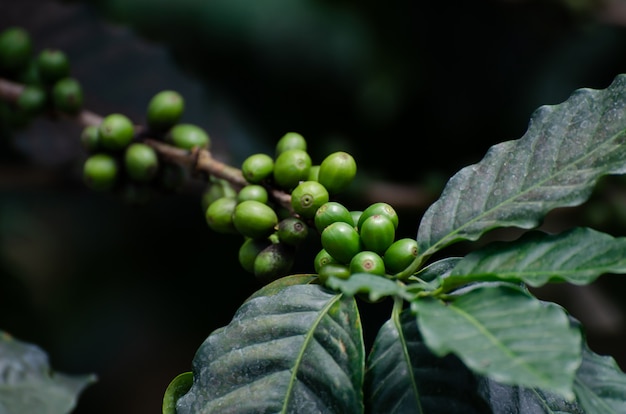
column 444, row 240
column 308, row 338
column 495, row 342
column 405, row 351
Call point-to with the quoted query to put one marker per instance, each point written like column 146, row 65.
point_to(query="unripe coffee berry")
column 382, row 209
column 67, row 95
column 188, row 136
column 219, row 215
column 217, row 188
column 257, row 167
column 341, row 241
column 291, row 140
column 100, row 172
column 314, row 173
column 164, row 110
column 356, row 216
column 322, row 258
column 249, row 250
column 367, row 262
column 141, row 162
column 52, row 65
column 253, row 192
column 377, row 233
column 331, row 212
column 291, row 167
column 275, row 261
column 337, row 171
column 116, row 131
column 307, row 197
column 90, row 138
column 400, row 255
column 254, row 219
column 32, row 100
column 15, row 49
column 333, row 269
column 292, row 231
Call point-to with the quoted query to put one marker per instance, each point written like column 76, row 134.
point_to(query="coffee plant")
column 465, row 334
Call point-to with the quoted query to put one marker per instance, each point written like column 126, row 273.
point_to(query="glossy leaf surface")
column 503, row 332
column 404, row 376
column 577, row 256
column 288, row 349
column 557, row 162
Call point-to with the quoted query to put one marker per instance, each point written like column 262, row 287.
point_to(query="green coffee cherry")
column 219, row 215
column 337, row 171
column 400, row 255
column 314, row 173
column 29, row 75
column 291, row 167
column 322, row 258
column 331, row 212
column 249, row 250
column 377, row 233
column 341, row 241
column 257, row 167
column 32, row 100
column 307, row 197
column 217, row 188
column 90, row 138
column 116, row 131
column 382, row 209
column 15, row 49
column 188, row 136
column 254, row 219
column 333, row 269
column 292, row 231
column 253, row 192
column 367, row 262
column 289, row 141
column 275, row 261
column 141, row 162
column 52, row 65
column 356, row 215
column 67, row 95
column 100, row 172
column 164, row 110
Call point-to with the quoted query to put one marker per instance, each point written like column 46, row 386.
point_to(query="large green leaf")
column 557, row 162
column 600, row 387
column 600, row 384
column 503, row 332
column 508, row 399
column 296, row 349
column 403, row 376
column 578, row 256
column 28, row 385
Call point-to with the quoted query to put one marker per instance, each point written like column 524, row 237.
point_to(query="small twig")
column 202, row 162
column 10, row 91
column 197, row 160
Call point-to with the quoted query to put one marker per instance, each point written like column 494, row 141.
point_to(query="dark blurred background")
column 414, row 90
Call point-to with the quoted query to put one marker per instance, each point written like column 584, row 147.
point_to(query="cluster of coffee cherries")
column 115, row 152
column 360, row 241
column 46, row 76
column 352, row 241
